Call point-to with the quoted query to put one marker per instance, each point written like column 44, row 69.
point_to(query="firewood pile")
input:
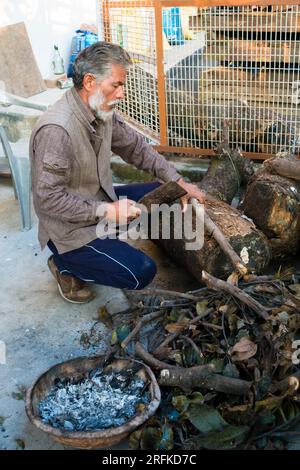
column 226, row 359
column 226, row 355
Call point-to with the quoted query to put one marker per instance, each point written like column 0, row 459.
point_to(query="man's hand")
column 122, row 212
column 192, row 192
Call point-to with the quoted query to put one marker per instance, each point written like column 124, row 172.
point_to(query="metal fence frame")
column 158, row 5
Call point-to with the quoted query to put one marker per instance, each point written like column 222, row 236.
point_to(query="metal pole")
column 100, row 22
column 160, row 73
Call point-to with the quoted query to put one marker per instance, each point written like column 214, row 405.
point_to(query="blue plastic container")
column 82, row 40
column 172, row 25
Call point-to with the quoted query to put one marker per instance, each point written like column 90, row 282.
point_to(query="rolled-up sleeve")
column 51, row 171
column 131, row 146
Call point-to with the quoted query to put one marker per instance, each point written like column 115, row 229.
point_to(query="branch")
column 145, row 319
column 167, row 292
column 198, row 377
column 193, row 377
column 173, row 336
column 219, row 285
column 216, row 233
column 150, row 360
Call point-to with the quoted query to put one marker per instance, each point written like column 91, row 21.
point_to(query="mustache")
column 113, row 102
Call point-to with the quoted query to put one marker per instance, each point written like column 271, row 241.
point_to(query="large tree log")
column 227, row 170
column 272, row 201
column 287, row 167
column 248, row 242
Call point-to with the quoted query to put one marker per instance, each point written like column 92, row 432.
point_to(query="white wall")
column 49, row 22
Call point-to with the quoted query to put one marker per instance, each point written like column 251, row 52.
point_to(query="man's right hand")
column 122, row 212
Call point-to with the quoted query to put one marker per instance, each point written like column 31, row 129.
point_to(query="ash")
column 98, row 402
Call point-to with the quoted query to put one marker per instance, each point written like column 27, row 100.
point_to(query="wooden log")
column 226, row 172
column 230, row 240
column 247, row 241
column 237, row 50
column 252, row 129
column 284, row 167
column 164, row 194
column 272, row 201
column 268, row 22
column 193, row 377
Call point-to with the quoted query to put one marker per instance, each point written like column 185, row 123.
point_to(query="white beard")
column 95, row 103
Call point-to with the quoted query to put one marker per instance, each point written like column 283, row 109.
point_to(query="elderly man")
column 70, row 151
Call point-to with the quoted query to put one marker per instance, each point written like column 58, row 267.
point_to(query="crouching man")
column 70, row 150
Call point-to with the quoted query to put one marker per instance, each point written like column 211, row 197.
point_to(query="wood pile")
column 248, row 72
column 226, row 359
column 255, row 76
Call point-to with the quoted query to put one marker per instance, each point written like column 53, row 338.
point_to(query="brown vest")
column 90, row 173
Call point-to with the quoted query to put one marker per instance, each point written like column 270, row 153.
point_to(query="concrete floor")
column 39, row 328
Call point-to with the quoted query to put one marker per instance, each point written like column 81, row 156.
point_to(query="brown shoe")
column 70, row 287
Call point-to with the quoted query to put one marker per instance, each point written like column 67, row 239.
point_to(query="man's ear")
column 88, row 82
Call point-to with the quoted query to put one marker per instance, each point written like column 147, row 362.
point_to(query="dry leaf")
column 177, row 327
column 223, row 309
column 233, row 279
column 105, row 318
column 243, row 350
column 163, row 353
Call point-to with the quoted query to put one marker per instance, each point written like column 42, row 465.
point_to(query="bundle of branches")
column 225, row 360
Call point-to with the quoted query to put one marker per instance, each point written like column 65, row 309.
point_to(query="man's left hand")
column 192, row 192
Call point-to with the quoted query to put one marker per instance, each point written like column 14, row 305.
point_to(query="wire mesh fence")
column 195, row 67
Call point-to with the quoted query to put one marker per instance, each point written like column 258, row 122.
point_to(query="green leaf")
column 20, row 395
column 182, row 402
column 174, row 314
column 105, row 317
column 205, row 418
column 114, row 338
column 122, row 332
column 242, row 333
column 191, row 357
column 230, row 370
column 166, row 441
column 265, row 420
column 155, row 436
column 151, row 438
column 134, row 440
column 201, row 308
column 218, row 365
column 229, row 438
column 262, row 387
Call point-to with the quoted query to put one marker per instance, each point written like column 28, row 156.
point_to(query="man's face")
column 105, row 95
